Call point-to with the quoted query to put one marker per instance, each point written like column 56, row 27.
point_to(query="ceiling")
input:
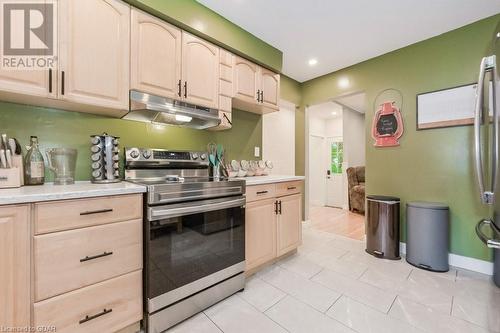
column 325, row 111
column 342, row 33
column 354, row 102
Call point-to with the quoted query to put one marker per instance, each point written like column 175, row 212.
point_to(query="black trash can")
column 427, row 235
column 382, row 226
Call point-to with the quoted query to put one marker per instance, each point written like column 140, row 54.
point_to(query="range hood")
column 161, row 110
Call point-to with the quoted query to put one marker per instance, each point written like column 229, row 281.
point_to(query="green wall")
column 290, row 90
column 202, row 21
column 431, row 165
column 57, row 128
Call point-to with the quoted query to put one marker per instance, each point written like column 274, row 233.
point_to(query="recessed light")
column 334, row 113
column 312, row 61
column 343, row 82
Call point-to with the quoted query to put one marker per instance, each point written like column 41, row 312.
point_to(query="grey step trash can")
column 382, row 226
column 427, row 235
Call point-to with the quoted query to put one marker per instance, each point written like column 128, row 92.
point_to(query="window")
column 337, row 157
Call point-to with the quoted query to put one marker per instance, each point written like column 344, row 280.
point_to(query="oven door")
column 192, row 246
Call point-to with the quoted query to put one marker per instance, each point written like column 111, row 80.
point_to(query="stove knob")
column 194, row 156
column 134, row 154
column 203, row 156
column 146, row 154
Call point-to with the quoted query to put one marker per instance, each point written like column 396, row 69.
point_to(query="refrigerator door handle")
column 491, row 66
column 486, row 196
column 491, row 243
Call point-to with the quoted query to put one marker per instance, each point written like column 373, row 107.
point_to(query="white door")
column 335, row 186
column 317, row 170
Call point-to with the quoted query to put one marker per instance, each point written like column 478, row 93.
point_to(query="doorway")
column 335, row 141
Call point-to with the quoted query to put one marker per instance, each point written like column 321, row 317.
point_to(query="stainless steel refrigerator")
column 486, row 146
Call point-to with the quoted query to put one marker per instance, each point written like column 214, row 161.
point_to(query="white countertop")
column 259, row 180
column 50, row 192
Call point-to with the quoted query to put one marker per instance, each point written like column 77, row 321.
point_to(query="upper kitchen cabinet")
column 94, row 58
column 155, row 57
column 200, row 71
column 255, row 89
column 270, row 89
column 34, row 83
column 246, row 81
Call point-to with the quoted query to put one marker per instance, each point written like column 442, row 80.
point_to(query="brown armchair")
column 356, row 188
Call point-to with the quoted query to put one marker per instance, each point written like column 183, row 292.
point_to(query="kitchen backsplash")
column 58, row 128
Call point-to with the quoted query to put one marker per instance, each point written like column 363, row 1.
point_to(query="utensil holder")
column 11, row 177
column 105, row 159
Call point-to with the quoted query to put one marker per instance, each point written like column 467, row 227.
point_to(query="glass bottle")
column 34, row 166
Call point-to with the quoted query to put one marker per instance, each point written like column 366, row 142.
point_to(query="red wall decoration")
column 387, row 125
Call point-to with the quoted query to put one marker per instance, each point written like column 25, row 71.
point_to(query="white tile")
column 475, row 285
column 260, row 294
column 364, row 319
column 350, row 268
column 382, row 280
column 234, row 315
column 362, row 292
column 429, row 319
column 322, row 257
column 307, row 291
column 442, row 281
column 480, row 310
column 427, row 295
column 300, row 265
column 298, row 317
column 197, row 324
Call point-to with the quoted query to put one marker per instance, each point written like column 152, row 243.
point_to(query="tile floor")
column 338, row 221
column 332, row 285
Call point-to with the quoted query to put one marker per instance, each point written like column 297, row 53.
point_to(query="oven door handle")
column 157, row 213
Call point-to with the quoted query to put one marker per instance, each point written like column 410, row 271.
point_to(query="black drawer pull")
column 87, row 258
column 97, row 211
column 62, row 83
column 279, row 204
column 262, row 192
column 291, row 188
column 89, row 318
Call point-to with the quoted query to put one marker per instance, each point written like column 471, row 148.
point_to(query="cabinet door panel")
column 246, row 80
column 200, row 71
column 15, row 298
column 289, row 223
column 155, row 55
column 270, row 85
column 94, row 58
column 260, row 235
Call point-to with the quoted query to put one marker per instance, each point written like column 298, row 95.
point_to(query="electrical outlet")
column 256, row 152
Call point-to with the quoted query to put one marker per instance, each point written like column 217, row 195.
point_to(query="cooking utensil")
column 18, row 149
column 8, row 155
column 244, row 165
column 3, row 159
column 212, row 153
column 12, row 146
column 5, row 142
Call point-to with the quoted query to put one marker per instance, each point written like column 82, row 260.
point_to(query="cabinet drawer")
column 288, row 188
column 72, row 214
column 259, row 192
column 110, row 306
column 85, row 256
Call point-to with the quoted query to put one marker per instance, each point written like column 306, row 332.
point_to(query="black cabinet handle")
column 179, row 84
column 89, row 318
column 50, row 80
column 276, row 207
column 279, row 203
column 97, row 211
column 291, row 188
column 62, row 83
column 185, row 89
column 262, row 192
column 87, row 258
column 262, row 96
column 258, row 95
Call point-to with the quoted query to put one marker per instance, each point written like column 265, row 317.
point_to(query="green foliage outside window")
column 337, row 157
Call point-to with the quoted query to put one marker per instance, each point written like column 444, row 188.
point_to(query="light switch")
column 256, row 152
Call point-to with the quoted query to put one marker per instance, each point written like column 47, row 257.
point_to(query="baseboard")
column 471, row 264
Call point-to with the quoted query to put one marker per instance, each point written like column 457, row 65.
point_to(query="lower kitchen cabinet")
column 273, row 223
column 15, row 281
column 260, row 232
column 289, row 223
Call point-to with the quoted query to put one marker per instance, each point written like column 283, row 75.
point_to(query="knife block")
column 11, row 177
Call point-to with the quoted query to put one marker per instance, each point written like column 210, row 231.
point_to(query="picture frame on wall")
column 448, row 107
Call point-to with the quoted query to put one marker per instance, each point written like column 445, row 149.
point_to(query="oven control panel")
column 156, row 156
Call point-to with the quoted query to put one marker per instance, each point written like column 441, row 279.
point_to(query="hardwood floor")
column 338, row 221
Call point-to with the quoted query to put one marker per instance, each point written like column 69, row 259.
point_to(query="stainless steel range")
column 194, row 234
